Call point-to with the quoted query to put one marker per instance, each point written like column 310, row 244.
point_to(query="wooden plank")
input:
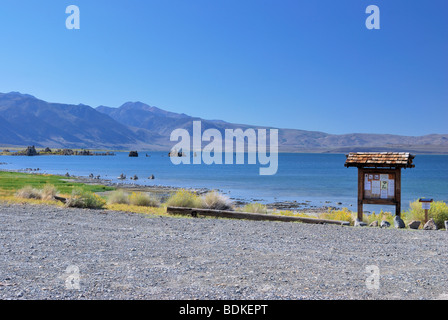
column 195, row 212
column 380, row 201
column 379, row 170
column 63, row 200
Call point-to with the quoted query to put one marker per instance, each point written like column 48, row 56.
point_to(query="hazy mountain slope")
column 26, row 120
column 154, row 119
column 59, row 125
column 7, row 133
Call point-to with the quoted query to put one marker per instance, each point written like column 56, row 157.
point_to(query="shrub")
column 29, row 192
column 48, row 192
column 143, row 200
column 118, row 197
column 185, row 199
column 290, row 213
column 387, row 216
column 415, row 212
column 217, row 201
column 438, row 212
column 340, row 215
column 255, row 208
column 85, row 199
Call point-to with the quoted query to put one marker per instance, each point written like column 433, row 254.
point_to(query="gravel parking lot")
column 57, row 253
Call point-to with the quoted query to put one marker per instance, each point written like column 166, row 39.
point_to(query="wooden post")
column 426, row 203
column 398, row 192
column 360, row 193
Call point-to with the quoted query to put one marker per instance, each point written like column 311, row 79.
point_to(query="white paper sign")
column 367, row 185
column 376, row 187
column 384, row 185
column 391, row 188
column 426, row 205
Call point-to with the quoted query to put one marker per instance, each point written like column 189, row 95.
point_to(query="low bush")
column 387, row 216
column 255, row 208
column 438, row 212
column 340, row 215
column 143, row 200
column 29, row 192
column 216, row 201
column 290, row 213
column 184, row 198
column 118, row 197
column 85, row 199
column 48, row 192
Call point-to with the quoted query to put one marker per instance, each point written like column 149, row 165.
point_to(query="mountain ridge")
column 27, row 120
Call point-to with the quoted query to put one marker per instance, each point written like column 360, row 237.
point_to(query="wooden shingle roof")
column 380, row 160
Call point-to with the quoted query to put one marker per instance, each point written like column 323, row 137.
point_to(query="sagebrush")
column 85, row 199
column 143, row 200
column 216, row 201
column 118, row 197
column 184, row 198
column 255, row 208
column 47, row 193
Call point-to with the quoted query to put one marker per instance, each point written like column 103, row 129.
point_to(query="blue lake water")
column 320, row 179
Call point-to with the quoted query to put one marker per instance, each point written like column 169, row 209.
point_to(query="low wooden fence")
column 194, row 212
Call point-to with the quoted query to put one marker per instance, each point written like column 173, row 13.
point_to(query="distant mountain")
column 26, row 120
column 147, row 117
column 140, row 115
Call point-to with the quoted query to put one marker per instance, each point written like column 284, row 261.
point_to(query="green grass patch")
column 11, row 182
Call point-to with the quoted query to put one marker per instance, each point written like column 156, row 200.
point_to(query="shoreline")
column 164, row 191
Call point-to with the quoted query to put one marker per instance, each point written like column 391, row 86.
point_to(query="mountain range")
column 26, row 120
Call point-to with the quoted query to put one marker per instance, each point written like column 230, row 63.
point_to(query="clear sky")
column 304, row 64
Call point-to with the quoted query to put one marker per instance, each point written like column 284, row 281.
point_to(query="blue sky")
column 309, row 65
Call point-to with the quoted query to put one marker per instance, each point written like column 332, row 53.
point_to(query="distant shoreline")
column 418, row 150
column 164, row 191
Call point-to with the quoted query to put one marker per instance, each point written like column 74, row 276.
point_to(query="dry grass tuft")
column 143, row 200
column 217, row 201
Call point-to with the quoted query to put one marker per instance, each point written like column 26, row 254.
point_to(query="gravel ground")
column 130, row 256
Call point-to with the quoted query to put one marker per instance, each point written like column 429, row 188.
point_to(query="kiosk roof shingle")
column 380, row 160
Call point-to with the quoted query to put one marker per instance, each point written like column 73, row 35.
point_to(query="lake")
column 320, row 179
